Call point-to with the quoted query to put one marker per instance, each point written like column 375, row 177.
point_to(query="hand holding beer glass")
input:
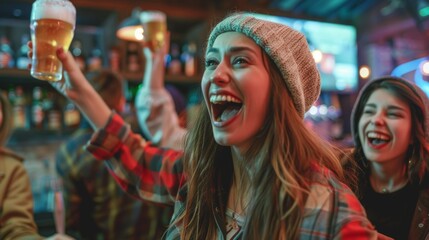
column 52, row 25
column 154, row 29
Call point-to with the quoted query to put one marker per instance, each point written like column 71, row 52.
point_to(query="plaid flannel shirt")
column 96, row 207
column 331, row 212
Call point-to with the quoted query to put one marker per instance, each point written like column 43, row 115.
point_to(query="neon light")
column 424, row 12
column 413, row 65
column 418, row 79
column 404, row 68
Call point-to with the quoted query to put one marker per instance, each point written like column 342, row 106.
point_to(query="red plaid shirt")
column 331, row 212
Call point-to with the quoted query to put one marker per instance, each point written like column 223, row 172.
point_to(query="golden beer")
column 52, row 26
column 154, row 28
column 47, row 35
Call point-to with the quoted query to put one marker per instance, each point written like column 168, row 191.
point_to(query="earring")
column 412, row 161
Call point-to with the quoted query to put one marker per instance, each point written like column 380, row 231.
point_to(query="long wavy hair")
column 418, row 152
column 279, row 159
column 6, row 123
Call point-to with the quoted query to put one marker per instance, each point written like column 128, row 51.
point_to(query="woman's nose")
column 220, row 75
column 377, row 119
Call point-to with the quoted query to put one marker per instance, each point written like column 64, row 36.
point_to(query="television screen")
column 334, row 49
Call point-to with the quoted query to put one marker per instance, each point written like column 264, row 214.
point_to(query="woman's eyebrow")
column 232, row 49
column 390, row 107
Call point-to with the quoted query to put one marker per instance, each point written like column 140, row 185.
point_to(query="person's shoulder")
column 321, row 175
column 331, row 196
column 10, row 156
column 326, row 183
column 10, row 162
column 321, row 188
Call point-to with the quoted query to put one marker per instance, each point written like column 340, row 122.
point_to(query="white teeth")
column 377, row 135
column 223, row 98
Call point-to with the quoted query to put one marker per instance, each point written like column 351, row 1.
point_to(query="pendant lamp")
column 130, row 28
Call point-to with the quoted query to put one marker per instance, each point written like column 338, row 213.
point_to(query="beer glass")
column 154, row 28
column 52, row 25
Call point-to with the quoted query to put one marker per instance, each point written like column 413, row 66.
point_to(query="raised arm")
column 154, row 105
column 80, row 91
column 143, row 171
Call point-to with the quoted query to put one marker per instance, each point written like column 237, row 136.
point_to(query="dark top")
column 391, row 213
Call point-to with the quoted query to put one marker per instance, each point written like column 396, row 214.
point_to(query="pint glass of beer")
column 52, row 25
column 154, row 28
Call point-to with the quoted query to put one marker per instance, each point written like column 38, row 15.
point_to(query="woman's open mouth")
column 224, row 108
column 377, row 139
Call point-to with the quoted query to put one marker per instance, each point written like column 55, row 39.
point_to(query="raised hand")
column 157, row 57
column 74, row 83
column 153, row 77
column 76, row 87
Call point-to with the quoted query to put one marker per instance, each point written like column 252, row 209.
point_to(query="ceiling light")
column 131, row 29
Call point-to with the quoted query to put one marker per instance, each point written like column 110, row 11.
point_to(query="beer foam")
column 148, row 16
column 55, row 9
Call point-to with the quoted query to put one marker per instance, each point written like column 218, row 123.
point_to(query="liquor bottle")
column 71, row 116
column 133, row 59
column 77, row 52
column 53, row 112
column 37, row 114
column 188, row 59
column 11, row 95
column 95, row 61
column 22, row 59
column 19, row 109
column 174, row 66
column 6, row 53
column 115, row 59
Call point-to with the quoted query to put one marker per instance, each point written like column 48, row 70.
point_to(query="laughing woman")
column 391, row 134
column 251, row 169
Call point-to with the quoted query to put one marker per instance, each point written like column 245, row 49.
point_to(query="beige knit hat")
column 288, row 49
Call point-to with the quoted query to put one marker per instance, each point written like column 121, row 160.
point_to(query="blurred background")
column 352, row 42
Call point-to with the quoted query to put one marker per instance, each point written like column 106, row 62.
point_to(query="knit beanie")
column 288, row 49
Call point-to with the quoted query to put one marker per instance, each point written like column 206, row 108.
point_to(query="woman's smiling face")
column 236, row 87
column 385, row 127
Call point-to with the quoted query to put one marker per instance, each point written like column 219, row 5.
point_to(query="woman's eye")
column 367, row 111
column 240, row 61
column 210, row 62
column 394, row 114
